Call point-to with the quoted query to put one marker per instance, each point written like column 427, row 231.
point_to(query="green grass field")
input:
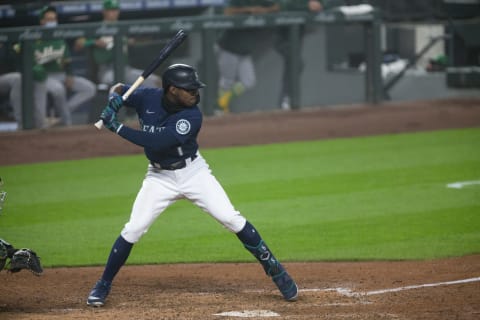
column 382, row 197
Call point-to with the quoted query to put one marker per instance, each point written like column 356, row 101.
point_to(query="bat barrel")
column 162, row 56
column 165, row 52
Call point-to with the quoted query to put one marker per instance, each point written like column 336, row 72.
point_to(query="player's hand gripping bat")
column 162, row 56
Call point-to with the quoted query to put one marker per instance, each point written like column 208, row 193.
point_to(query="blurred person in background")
column 10, row 90
column 282, row 43
column 8, row 79
column 53, row 76
column 103, row 54
column 235, row 48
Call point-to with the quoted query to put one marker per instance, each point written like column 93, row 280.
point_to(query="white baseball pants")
column 195, row 182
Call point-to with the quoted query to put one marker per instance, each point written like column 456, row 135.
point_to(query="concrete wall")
column 323, row 87
column 318, row 85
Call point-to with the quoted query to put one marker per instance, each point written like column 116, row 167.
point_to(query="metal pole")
column 373, row 74
column 209, row 71
column 118, row 59
column 294, row 65
column 27, row 85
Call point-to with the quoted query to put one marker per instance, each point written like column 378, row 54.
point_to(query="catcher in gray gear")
column 19, row 258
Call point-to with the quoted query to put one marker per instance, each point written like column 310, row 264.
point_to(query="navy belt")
column 174, row 166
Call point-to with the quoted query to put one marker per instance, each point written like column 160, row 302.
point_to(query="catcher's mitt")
column 26, row 259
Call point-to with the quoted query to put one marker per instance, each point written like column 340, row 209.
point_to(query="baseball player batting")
column 170, row 122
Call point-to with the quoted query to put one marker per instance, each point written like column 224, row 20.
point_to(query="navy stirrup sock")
column 119, row 254
column 254, row 243
column 249, row 236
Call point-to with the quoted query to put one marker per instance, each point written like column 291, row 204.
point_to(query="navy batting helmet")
column 181, row 76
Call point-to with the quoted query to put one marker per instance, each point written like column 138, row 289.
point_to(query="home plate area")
column 312, row 305
column 345, row 297
column 248, row 314
column 440, row 289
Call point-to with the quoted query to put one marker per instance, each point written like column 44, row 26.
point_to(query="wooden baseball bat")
column 162, row 56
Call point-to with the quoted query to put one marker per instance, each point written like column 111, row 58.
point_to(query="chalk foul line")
column 428, row 285
column 342, row 291
column 350, row 293
column 462, row 184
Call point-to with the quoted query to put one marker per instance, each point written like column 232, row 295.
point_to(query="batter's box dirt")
column 203, row 291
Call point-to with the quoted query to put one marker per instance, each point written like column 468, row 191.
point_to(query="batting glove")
column 109, row 117
column 115, row 101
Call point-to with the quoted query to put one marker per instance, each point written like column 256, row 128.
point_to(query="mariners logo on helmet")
column 183, row 126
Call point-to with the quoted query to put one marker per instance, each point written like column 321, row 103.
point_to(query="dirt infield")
column 440, row 289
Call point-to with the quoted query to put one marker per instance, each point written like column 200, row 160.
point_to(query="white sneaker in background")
column 285, row 104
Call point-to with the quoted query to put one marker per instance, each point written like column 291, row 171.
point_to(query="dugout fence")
column 207, row 28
